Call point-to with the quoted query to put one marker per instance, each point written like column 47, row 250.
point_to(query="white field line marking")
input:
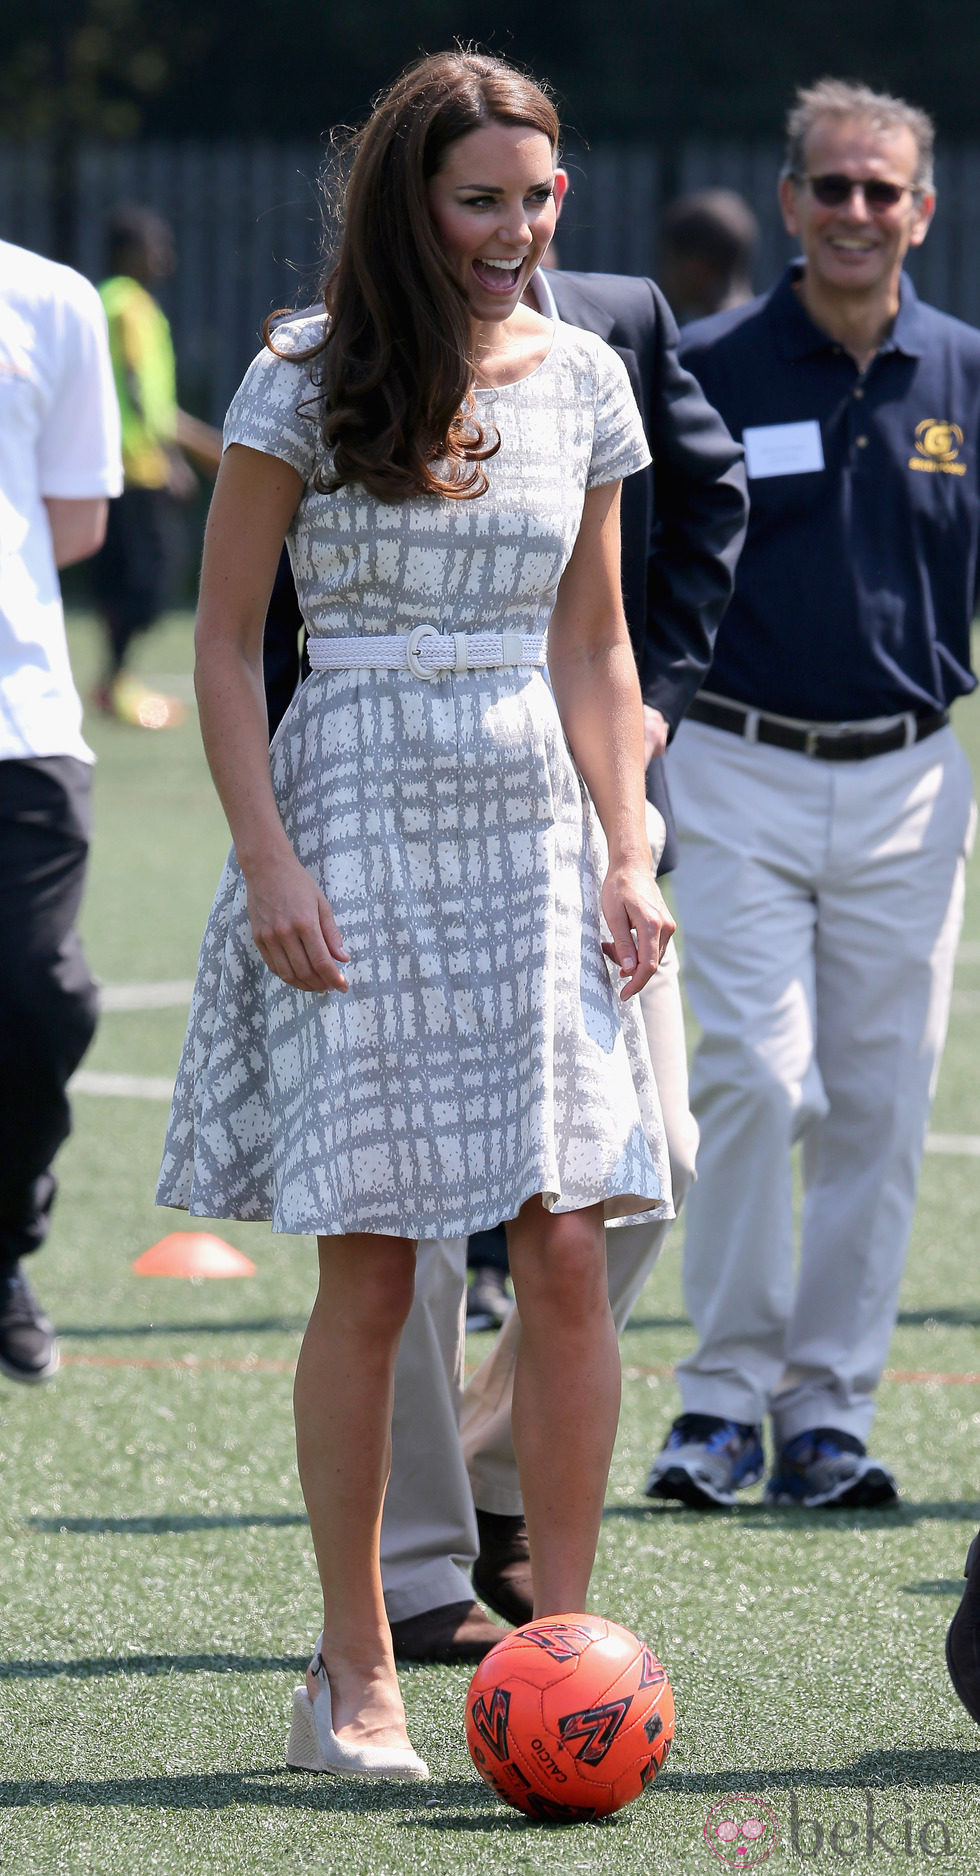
column 176, row 993
column 160, row 1088
column 966, row 1145
column 173, row 995
column 124, row 1087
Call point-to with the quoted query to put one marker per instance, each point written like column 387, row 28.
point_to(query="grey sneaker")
column 826, row 1469
column 705, row 1461
column 28, row 1350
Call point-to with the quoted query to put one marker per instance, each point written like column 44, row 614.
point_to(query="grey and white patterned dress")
column 481, row 1054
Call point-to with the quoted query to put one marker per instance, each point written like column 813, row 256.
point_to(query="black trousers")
column 48, row 1004
column 128, row 573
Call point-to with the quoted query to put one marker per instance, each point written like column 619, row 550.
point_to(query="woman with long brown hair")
column 404, row 1025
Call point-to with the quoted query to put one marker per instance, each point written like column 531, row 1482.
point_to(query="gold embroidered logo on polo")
column 938, row 445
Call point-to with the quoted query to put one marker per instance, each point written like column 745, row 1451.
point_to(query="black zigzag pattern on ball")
column 563, row 1641
column 549, row 1811
column 651, row 1673
column 491, row 1721
column 596, row 1727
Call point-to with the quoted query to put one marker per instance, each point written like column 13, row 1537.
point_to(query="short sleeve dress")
column 481, row 1054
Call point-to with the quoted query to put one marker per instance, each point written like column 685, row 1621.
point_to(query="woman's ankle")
column 372, row 1677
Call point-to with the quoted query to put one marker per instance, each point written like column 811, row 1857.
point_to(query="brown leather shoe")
column 456, row 1631
column 502, row 1571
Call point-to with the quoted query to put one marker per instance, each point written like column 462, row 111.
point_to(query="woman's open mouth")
column 498, row 276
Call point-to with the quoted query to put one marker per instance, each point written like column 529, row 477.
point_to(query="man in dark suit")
column 683, row 522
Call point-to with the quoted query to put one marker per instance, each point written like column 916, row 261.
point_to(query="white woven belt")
column 428, row 653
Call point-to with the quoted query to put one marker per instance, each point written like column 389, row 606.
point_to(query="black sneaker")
column 28, row 1350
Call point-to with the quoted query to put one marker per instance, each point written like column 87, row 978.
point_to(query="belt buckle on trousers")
column 828, row 742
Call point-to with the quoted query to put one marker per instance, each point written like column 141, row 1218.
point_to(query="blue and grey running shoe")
column 825, row 1468
column 705, row 1461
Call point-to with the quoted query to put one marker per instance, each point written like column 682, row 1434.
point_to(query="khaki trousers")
column 821, row 905
column 428, row 1531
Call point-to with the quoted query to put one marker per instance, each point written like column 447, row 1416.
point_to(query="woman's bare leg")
column 567, row 1385
column 342, row 1402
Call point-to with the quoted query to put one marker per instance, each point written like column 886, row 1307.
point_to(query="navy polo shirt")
column 857, row 584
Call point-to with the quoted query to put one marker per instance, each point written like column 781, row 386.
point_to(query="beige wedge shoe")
column 313, row 1745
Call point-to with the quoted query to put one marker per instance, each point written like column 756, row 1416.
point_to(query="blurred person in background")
column 708, row 244
column 59, row 464
column 129, row 573
column 825, row 813
column 683, row 524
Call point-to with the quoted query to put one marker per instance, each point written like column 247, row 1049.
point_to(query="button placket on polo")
column 857, row 419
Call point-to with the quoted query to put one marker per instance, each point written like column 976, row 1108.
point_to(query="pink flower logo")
column 741, row 1830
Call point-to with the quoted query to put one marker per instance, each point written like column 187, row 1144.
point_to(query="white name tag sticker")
column 783, row 449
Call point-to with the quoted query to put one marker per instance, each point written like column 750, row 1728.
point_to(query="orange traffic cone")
column 193, row 1254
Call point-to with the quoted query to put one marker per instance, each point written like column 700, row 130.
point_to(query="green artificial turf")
column 159, row 1596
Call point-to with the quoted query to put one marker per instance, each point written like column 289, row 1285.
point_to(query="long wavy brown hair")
column 394, row 373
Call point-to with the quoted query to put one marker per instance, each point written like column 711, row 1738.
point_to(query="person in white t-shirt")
column 59, row 464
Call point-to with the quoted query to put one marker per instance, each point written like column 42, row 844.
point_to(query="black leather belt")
column 830, row 745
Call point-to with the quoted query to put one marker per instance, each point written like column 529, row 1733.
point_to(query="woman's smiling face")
column 494, row 204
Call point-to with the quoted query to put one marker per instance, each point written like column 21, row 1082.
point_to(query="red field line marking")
column 926, row 1374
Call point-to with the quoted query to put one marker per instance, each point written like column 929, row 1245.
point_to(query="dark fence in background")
column 247, row 222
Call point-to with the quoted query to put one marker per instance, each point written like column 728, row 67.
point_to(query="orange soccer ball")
column 570, row 1718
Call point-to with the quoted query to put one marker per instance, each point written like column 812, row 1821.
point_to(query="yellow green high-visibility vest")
column 146, row 379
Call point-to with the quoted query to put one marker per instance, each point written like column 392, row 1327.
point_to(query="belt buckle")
column 811, row 738
column 412, row 658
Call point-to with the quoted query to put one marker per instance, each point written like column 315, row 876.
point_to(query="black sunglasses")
column 833, row 191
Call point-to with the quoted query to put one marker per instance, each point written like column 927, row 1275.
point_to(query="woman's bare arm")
column 593, row 673
column 255, row 498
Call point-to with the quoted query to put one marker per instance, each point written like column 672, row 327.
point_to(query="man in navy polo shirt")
column 825, row 812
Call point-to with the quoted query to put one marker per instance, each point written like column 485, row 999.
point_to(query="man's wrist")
column 656, row 732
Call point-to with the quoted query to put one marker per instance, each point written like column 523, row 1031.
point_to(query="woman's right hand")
column 293, row 925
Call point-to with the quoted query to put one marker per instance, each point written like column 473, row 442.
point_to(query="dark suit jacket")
column 683, row 521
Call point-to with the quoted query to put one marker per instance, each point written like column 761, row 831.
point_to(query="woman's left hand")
column 640, row 923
